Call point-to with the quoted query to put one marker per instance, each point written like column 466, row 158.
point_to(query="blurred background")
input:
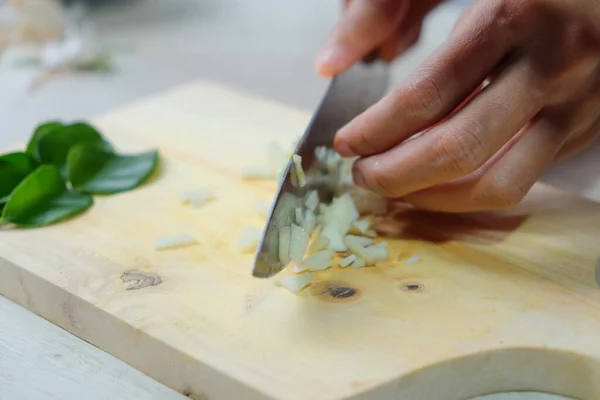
column 79, row 58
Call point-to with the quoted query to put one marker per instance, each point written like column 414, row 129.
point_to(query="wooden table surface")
column 39, row 360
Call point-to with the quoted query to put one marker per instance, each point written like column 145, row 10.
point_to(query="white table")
column 264, row 46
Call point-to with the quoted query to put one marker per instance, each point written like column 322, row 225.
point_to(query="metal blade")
column 348, row 95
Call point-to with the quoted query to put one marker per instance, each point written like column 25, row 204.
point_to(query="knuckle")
column 460, row 151
column 424, row 96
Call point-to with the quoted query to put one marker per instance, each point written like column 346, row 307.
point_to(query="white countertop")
column 266, row 47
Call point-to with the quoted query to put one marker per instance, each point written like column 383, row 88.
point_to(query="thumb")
column 365, row 24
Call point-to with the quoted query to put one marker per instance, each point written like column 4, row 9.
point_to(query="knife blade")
column 348, row 95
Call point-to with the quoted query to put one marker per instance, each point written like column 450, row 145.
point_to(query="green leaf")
column 43, row 198
column 14, row 167
column 91, row 168
column 41, row 131
column 53, row 147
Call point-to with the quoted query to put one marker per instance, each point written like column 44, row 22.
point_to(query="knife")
column 348, row 95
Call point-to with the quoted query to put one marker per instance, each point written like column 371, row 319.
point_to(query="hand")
column 442, row 141
column 386, row 27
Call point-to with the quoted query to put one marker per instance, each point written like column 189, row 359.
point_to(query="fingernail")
column 332, row 59
column 357, row 176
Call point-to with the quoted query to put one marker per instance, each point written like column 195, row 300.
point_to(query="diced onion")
column 361, row 226
column 337, row 221
column 297, row 282
column 196, row 198
column 177, row 240
column 298, row 177
column 310, row 222
column 318, row 261
column 312, row 201
column 412, row 260
column 320, row 243
column 258, row 172
column 249, row 239
column 298, row 244
column 359, row 263
column 299, row 216
column 348, row 260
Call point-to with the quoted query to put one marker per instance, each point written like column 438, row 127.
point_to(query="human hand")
column 442, row 142
column 386, row 28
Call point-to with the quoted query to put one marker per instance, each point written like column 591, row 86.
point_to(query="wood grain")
column 498, row 302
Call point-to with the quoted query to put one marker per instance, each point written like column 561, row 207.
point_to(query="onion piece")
column 317, row 262
column 172, row 241
column 337, row 221
column 312, row 201
column 360, row 240
column 412, row 260
column 320, row 243
column 298, row 244
column 347, row 261
column 371, row 233
column 284, row 244
column 299, row 179
column 310, row 222
column 197, row 197
column 297, row 282
column 299, row 216
column 359, row 263
column 370, row 254
column 361, row 226
column 258, row 172
column 249, row 239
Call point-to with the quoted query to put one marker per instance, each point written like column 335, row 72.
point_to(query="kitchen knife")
column 348, row 95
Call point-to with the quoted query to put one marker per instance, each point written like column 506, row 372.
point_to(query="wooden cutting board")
column 496, row 302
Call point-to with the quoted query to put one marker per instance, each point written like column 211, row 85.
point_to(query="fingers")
column 399, row 43
column 409, row 30
column 365, row 24
column 432, row 91
column 461, row 144
column 505, row 181
column 506, row 178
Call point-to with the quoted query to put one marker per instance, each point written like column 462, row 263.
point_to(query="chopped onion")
column 299, row 179
column 263, row 208
column 370, row 254
column 317, row 262
column 249, row 239
column 371, row 233
column 412, row 260
column 361, row 226
column 258, row 172
column 359, row 263
column 347, row 261
column 171, row 241
column 337, row 221
column 320, row 243
column 299, row 216
column 196, row 198
column 360, row 240
column 297, row 282
column 284, row 244
column 298, row 244
column 310, row 222
column 312, row 201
